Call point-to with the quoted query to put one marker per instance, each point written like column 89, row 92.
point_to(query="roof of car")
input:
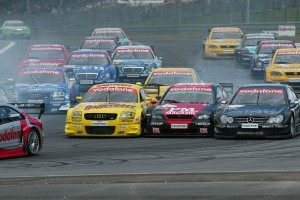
column 226, row 28
column 262, row 85
column 134, row 47
column 89, row 51
column 46, row 45
column 173, row 69
column 99, row 37
column 276, row 41
column 289, row 50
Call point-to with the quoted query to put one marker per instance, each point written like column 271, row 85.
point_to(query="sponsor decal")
column 194, row 88
column 33, row 64
column 98, row 40
column 289, row 53
column 277, row 45
column 273, row 91
column 123, row 126
column 133, row 50
column 88, row 55
column 179, row 126
column 112, row 89
column 89, row 107
column 10, row 135
column 46, row 49
column 181, row 111
column 203, row 130
column 100, row 123
column 108, row 31
column 171, row 73
column 42, row 71
column 260, row 37
column 227, row 30
column 155, row 130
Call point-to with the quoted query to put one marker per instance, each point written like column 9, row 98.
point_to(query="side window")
column 13, row 115
column 219, row 94
column 224, row 93
column 3, row 116
column 142, row 95
column 292, row 96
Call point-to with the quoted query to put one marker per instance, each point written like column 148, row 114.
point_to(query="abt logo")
column 181, row 111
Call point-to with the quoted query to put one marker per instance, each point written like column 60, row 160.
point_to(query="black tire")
column 292, row 131
column 143, row 126
column 34, row 142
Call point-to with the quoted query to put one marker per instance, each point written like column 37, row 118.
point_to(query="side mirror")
column 148, row 99
column 160, row 58
column 224, row 102
column 242, row 36
column 208, row 30
column 79, row 98
column 130, row 38
column 153, row 101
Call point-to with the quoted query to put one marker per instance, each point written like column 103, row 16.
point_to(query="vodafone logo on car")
column 10, row 135
column 271, row 91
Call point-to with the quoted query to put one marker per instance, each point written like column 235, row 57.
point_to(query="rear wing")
column 31, row 108
column 152, row 89
column 227, row 86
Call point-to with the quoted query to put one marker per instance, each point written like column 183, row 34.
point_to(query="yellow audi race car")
column 113, row 109
column 160, row 79
column 284, row 67
column 222, row 42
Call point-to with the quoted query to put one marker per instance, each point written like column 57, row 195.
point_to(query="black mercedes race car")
column 259, row 111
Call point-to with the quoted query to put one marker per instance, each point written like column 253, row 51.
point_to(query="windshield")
column 182, row 95
column 286, row 58
column 99, row 44
column 260, row 96
column 116, row 34
column 226, row 35
column 271, row 48
column 133, row 54
column 32, row 77
column 111, row 96
column 170, row 80
column 88, row 59
column 45, row 54
column 252, row 41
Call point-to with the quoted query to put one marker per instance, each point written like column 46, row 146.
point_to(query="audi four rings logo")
column 100, row 116
column 35, row 95
column 250, row 120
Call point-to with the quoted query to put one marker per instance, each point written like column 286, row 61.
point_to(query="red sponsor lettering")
column 194, row 88
column 264, row 90
column 112, row 89
column 289, row 53
column 260, row 37
column 43, row 71
column 277, row 45
column 33, row 64
column 133, row 50
column 155, row 130
column 89, row 107
column 108, row 31
column 91, row 55
column 171, row 73
column 10, row 135
column 46, row 49
column 181, row 111
column 98, row 40
column 228, row 30
column 203, row 130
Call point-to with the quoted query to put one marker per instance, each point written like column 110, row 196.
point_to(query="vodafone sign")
column 287, row 31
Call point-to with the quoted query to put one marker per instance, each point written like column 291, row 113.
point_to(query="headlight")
column 205, row 116
column 224, row 119
column 278, row 119
column 76, row 114
column 58, row 95
column 259, row 64
column 212, row 46
column 107, row 75
column 155, row 116
column 127, row 115
column 275, row 73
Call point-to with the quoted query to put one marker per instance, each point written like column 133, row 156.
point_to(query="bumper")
column 263, row 131
column 220, row 53
column 111, row 130
column 193, row 129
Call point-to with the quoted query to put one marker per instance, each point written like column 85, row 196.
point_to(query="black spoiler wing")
column 31, row 108
column 152, row 87
column 227, row 86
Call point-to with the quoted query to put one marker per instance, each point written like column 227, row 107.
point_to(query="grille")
column 133, row 70
column 101, row 130
column 35, row 96
column 86, row 76
column 180, row 116
column 225, row 55
column 227, row 46
column 255, row 119
column 100, row 116
column 292, row 73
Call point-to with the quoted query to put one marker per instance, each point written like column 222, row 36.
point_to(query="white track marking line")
column 10, row 45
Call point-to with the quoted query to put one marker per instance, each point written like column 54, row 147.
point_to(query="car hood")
column 227, row 41
column 251, row 49
column 142, row 62
column 15, row 27
column 85, row 68
column 23, row 88
column 101, row 107
column 42, row 62
column 287, row 67
column 258, row 110
column 183, row 108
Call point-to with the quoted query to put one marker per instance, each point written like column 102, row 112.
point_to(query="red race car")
column 20, row 133
column 54, row 55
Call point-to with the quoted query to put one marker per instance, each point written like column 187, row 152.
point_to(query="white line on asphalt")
column 10, row 45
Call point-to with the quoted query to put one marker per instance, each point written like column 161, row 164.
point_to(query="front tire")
column 292, row 131
column 33, row 143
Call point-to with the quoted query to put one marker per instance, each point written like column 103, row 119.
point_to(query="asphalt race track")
column 62, row 156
